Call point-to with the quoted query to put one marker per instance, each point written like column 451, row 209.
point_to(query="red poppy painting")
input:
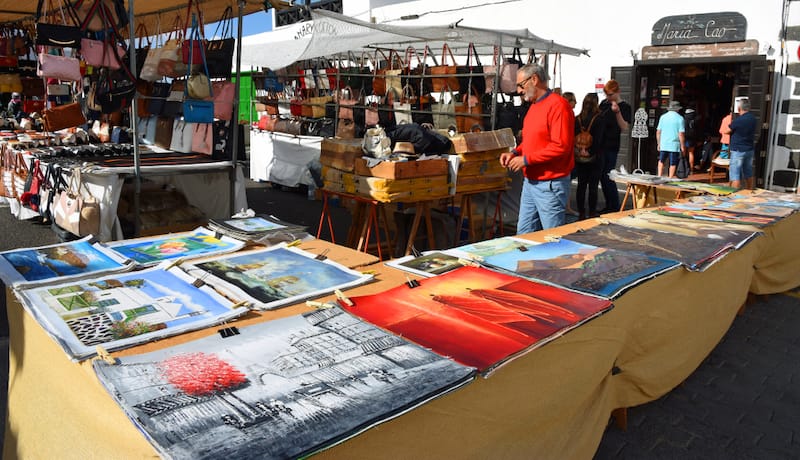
column 476, row 316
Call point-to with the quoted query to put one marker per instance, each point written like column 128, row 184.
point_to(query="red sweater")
column 548, row 138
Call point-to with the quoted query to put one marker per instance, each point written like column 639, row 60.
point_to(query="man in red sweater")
column 545, row 155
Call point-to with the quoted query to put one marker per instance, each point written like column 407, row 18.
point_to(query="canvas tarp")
column 330, row 34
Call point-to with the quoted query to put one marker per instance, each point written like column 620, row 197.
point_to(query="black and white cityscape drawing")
column 280, row 389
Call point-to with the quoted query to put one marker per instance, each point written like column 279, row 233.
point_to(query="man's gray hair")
column 531, row 69
column 744, row 104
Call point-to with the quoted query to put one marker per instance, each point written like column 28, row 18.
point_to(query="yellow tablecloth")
column 553, row 402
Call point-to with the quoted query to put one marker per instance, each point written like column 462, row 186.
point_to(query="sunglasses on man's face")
column 523, row 82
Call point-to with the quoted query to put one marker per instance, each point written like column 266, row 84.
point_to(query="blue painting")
column 201, row 242
column 276, row 276
column 254, row 224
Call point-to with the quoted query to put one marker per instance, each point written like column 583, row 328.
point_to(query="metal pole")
column 235, row 119
column 137, row 179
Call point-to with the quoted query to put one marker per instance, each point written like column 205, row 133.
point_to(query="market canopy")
column 330, row 34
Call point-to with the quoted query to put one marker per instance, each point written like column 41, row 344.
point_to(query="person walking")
column 615, row 118
column 545, row 155
column 587, row 163
column 743, row 131
column 671, row 139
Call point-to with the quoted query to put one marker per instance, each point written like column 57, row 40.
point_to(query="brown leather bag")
column 164, row 132
column 468, row 113
column 63, row 116
column 445, row 81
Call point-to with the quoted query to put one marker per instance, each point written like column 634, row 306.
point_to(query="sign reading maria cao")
column 699, row 28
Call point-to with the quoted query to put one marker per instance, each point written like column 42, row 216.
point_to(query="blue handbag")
column 196, row 110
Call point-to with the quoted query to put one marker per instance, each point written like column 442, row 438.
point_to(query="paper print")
column 688, row 212
column 430, row 263
column 121, row 310
column 59, row 262
column 744, row 207
column 186, row 245
column 476, row 316
column 736, row 234
column 273, row 277
column 280, row 389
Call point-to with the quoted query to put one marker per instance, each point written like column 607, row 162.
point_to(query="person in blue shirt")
column 671, row 139
column 743, row 131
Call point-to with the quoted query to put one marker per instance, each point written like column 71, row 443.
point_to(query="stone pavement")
column 743, row 402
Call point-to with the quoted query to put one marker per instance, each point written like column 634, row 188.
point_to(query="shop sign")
column 712, row 50
column 699, row 28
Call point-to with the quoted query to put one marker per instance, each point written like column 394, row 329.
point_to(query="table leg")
column 628, row 191
column 322, row 216
column 412, row 235
column 431, row 240
column 498, row 213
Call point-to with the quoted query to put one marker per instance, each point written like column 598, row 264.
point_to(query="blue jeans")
column 609, row 187
column 542, row 204
column 741, row 166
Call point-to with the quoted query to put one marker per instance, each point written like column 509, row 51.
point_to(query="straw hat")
column 404, row 147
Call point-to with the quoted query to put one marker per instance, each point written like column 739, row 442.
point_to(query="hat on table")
column 404, row 147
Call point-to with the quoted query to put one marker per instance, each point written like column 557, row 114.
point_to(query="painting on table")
column 185, row 245
column 478, row 317
column 59, row 262
column 280, row 389
column 736, row 205
column 736, row 234
column 121, row 310
column 430, row 263
column 691, row 212
column 273, row 277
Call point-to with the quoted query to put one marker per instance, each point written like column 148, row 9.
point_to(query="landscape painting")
column 497, row 249
column 185, row 245
column 690, row 212
column 58, row 263
column 478, row 317
column 122, row 310
column 430, row 263
column 694, row 253
column 729, row 204
column 736, row 234
column 273, row 277
column 280, row 389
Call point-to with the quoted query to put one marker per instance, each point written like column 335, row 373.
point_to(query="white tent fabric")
column 330, row 34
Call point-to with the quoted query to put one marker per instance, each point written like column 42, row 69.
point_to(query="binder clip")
column 323, row 255
column 522, row 248
column 552, row 239
column 174, row 263
column 415, row 252
column 103, row 354
column 343, row 298
column 218, row 235
column 317, row 305
column 412, row 283
column 294, row 243
column 93, row 240
column 369, row 272
column 230, row 331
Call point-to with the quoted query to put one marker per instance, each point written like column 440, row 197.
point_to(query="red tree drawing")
column 200, row 374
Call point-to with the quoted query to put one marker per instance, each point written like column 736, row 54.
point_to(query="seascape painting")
column 694, row 253
column 280, row 389
column 430, row 263
column 185, row 245
column 121, row 310
column 495, row 249
column 600, row 271
column 58, row 262
column 735, row 233
column 253, row 224
column 478, row 317
column 275, row 276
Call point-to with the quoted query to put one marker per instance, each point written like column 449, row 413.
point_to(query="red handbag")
column 193, row 46
column 32, row 105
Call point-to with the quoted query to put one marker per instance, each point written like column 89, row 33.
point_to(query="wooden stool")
column 466, row 205
column 714, row 166
column 366, row 222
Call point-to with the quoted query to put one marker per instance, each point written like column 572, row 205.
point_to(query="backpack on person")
column 583, row 140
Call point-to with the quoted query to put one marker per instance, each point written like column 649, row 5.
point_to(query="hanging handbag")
column 164, row 127
column 101, row 53
column 149, row 66
column 444, row 111
column 10, row 83
column 32, row 106
column 196, row 110
column 345, row 129
column 203, row 138
column 192, row 50
column 198, row 87
column 378, row 73
column 7, row 158
column 20, row 175
column 316, row 105
column 346, row 104
column 115, row 89
column 182, row 133
column 223, row 143
column 76, row 210
column 224, row 92
column 146, row 130
column 444, row 75
column 52, row 30
column 59, row 67
column 508, row 72
column 173, row 104
column 472, row 73
column 468, row 113
column 158, row 97
column 27, row 68
column 33, row 87
column 170, row 63
column 63, row 116
column 219, row 52
column 118, row 15
column 402, row 108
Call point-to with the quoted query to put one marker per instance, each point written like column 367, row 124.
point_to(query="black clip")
column 415, row 252
column 522, row 248
column 218, row 235
column 226, row 332
column 322, row 255
column 412, row 283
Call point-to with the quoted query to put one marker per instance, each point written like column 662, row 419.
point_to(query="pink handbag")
column 223, row 99
column 60, row 67
column 203, row 138
column 98, row 53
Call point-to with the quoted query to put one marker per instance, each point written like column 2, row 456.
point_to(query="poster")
column 273, row 277
column 478, row 317
column 689, row 212
column 736, row 234
column 121, row 310
column 430, row 263
column 280, row 389
column 59, row 262
column 185, row 245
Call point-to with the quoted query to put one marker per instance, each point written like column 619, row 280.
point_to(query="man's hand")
column 512, row 162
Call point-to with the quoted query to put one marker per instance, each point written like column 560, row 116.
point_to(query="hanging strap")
column 196, row 35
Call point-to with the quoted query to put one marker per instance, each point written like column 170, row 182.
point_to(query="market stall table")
column 644, row 193
column 553, row 402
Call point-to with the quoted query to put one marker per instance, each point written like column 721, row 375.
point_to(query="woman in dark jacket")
column 588, row 165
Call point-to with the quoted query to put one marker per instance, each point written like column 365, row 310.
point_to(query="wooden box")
column 340, row 153
column 403, row 169
column 483, row 141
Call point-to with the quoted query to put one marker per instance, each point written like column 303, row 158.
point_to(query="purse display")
column 445, row 78
column 219, row 52
column 203, row 138
column 63, row 116
column 59, row 67
column 53, row 28
column 75, row 209
column 223, row 100
column 197, row 110
column 182, row 133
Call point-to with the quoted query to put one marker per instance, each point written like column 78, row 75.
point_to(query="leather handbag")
column 473, row 73
column 316, row 105
column 219, row 52
column 445, row 74
column 100, row 53
column 7, row 159
column 76, row 210
column 170, row 63
column 115, row 89
column 53, row 27
column 444, row 111
column 182, row 133
column 468, row 113
column 164, row 126
column 223, row 100
column 63, row 116
column 198, row 86
column 146, row 130
column 197, row 110
column 192, row 50
column 27, row 68
column 346, row 102
column 203, row 138
column 402, row 108
column 345, row 129
column 32, row 87
column 59, row 67
column 32, row 105
column 173, row 104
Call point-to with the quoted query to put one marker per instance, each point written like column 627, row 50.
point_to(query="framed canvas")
column 280, row 389
column 185, row 245
column 59, row 262
column 478, row 317
column 273, row 277
column 126, row 309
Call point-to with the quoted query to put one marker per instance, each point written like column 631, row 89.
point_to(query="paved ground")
column 743, row 402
